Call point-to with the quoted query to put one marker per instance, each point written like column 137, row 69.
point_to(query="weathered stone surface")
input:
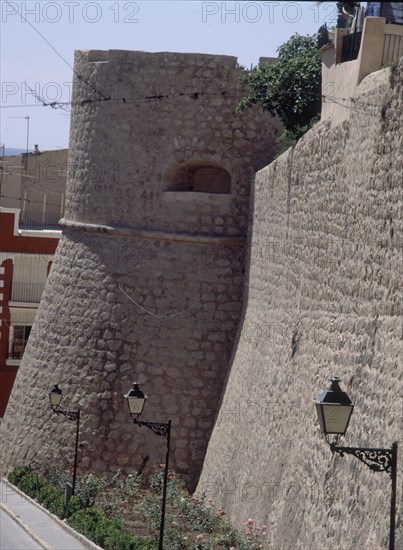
column 322, row 299
column 140, row 266
column 133, row 289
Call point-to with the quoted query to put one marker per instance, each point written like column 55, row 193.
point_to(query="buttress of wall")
column 147, row 281
column 323, row 299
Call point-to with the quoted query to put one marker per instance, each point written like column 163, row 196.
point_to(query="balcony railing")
column 17, row 349
column 40, row 221
column 27, row 292
column 393, row 48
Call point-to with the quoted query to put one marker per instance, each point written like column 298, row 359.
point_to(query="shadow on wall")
column 198, row 177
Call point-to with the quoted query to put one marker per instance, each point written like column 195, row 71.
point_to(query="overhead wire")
column 103, row 97
column 79, row 76
column 193, row 95
column 53, row 104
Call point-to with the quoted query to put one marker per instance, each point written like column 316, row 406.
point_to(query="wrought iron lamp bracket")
column 159, row 428
column 378, row 460
column 70, row 415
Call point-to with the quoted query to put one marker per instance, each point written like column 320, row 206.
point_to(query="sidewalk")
column 49, row 532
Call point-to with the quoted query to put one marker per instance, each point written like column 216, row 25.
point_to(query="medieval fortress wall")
column 323, row 298
column 147, row 282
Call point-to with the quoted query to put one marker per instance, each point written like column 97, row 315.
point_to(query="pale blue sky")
column 246, row 30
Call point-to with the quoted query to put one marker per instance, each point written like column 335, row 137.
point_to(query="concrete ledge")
column 196, row 197
column 81, row 538
column 152, row 234
column 43, row 234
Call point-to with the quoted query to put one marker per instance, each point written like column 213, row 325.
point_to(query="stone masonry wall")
column 322, row 299
column 178, row 109
column 147, row 281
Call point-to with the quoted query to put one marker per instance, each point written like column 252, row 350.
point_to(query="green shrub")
column 111, row 496
column 192, row 523
column 58, row 476
column 52, row 498
column 100, row 504
column 31, row 484
column 89, row 522
column 17, row 474
column 49, row 495
column 202, row 517
column 119, row 540
column 87, row 489
column 74, row 505
column 106, row 532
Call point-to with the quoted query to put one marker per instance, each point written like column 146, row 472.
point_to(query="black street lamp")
column 56, row 396
column 334, row 409
column 136, row 401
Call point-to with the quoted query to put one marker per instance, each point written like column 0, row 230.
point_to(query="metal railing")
column 17, row 349
column 392, row 48
column 27, row 292
column 351, row 46
column 40, row 220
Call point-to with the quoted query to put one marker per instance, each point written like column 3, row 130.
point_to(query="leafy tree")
column 289, row 88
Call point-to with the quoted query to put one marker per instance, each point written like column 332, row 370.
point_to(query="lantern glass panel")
column 320, row 417
column 136, row 404
column 55, row 397
column 335, row 418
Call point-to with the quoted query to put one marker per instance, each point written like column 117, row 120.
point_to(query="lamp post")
column 136, row 401
column 334, row 409
column 56, row 396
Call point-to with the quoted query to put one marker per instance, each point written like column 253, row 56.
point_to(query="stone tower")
column 147, row 282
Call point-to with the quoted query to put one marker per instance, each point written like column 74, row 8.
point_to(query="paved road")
column 49, row 533
column 13, row 537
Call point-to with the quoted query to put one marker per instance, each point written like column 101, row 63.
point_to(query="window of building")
column 199, row 177
column 19, row 335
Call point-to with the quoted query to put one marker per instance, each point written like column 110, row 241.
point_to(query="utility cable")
column 79, row 76
column 194, row 303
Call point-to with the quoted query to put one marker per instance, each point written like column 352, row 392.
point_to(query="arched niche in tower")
column 198, row 177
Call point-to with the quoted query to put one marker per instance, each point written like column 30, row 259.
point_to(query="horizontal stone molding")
column 198, row 197
column 153, row 234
